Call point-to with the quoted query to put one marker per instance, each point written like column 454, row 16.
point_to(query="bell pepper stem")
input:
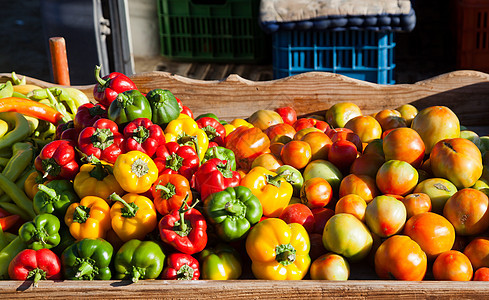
column 100, row 171
column 37, row 277
column 135, row 274
column 84, row 269
column 166, row 191
column 99, row 79
column 185, row 272
column 183, row 209
column 48, row 191
column 275, row 180
column 130, row 210
column 80, row 215
column 233, row 209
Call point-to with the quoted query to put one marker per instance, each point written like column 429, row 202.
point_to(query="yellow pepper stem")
column 285, row 254
column 275, row 180
column 81, row 214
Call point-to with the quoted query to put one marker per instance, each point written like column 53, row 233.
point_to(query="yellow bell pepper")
column 185, row 131
column 96, row 179
column 133, row 216
column 31, row 183
column 230, row 127
column 273, row 191
column 135, row 171
column 278, row 251
column 90, row 218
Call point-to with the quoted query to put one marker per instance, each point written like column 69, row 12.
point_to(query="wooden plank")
column 465, row 92
column 256, row 289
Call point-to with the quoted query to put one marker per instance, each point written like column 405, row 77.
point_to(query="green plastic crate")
column 214, row 31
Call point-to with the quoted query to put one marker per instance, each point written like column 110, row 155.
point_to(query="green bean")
column 17, row 195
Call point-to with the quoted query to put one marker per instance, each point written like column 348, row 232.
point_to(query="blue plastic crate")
column 362, row 54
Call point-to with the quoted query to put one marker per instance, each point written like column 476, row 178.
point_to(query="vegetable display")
column 132, row 187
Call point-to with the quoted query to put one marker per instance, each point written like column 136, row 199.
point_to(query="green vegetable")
column 223, row 154
column 17, row 195
column 66, row 240
column 8, row 253
column 22, row 155
column 209, row 115
column 128, row 106
column 233, row 211
column 6, row 89
column 87, row 259
column 42, row 232
column 20, row 129
column 139, row 260
column 164, row 106
column 54, row 197
column 292, row 176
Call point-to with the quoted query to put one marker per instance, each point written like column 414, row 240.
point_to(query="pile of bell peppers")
column 137, row 188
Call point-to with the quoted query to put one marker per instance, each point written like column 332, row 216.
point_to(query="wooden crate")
column 465, row 92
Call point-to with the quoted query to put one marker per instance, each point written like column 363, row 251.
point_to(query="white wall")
column 143, row 19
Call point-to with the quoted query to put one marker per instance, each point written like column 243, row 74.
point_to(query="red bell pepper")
column 171, row 158
column 108, row 87
column 184, row 229
column 181, row 266
column 102, row 140
column 35, row 265
column 184, row 109
column 215, row 131
column 87, row 114
column 67, row 131
column 142, row 135
column 58, row 160
column 214, row 176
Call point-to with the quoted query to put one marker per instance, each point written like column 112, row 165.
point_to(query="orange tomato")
column 416, row 203
column 276, row 148
column 432, row 232
column 481, row 274
column 408, row 112
column 301, row 133
column 268, row 161
column 366, row 127
column 316, row 192
column 247, row 144
column 385, row 216
column 389, row 119
column 396, row 177
column 352, row 204
column 361, row 185
column 264, row 118
column 281, row 133
column 468, row 211
column 402, row 258
column 330, row 266
column 478, row 252
column 296, row 154
column 452, row 265
column 404, row 144
column 320, row 144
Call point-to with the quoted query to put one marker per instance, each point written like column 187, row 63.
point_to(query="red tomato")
column 298, row 213
column 452, row 265
column 342, row 154
column 268, row 161
column 296, row 154
column 433, row 233
column 317, row 247
column 367, row 164
column 321, row 216
column 316, row 192
column 402, row 258
column 288, row 114
column 347, row 136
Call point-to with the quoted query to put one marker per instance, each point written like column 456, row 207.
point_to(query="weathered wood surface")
column 249, row 289
column 465, row 92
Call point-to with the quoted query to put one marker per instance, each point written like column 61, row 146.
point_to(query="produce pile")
column 133, row 186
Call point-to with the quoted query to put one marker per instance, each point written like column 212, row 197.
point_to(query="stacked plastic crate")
column 350, row 37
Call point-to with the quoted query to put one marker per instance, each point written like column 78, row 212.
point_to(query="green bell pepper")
column 164, row 106
column 138, row 260
column 292, row 176
column 54, row 198
column 87, row 259
column 8, row 253
column 233, row 211
column 221, row 153
column 220, row 263
column 42, row 232
column 128, row 106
